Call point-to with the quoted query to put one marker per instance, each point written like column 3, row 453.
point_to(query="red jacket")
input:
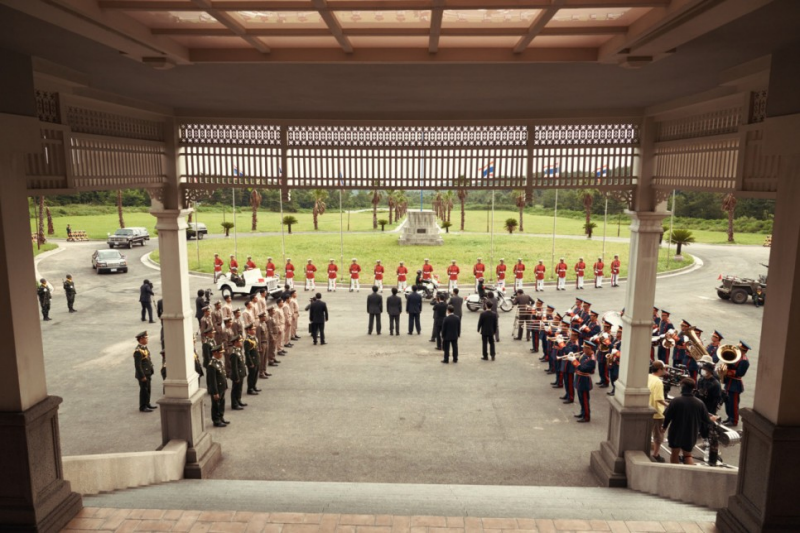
column 561, row 270
column 233, row 263
column 354, row 271
column 427, row 271
column 501, row 272
column 539, row 271
column 519, row 270
column 615, row 266
column 269, row 269
column 401, row 273
column 598, row 268
column 478, row 270
column 289, row 270
column 332, row 271
column 250, row 265
column 453, row 272
column 310, row 271
column 580, row 268
column 379, row 270
column 218, row 264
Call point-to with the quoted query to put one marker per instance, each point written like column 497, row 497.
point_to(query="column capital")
column 647, row 221
column 171, row 219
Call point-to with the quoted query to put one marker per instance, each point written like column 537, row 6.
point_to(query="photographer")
column 686, row 417
column 709, row 389
column 657, row 402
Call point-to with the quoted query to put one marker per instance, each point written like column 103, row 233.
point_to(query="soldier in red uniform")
column 233, row 263
column 289, row 273
column 269, row 268
column 427, row 271
column 539, row 271
column 519, row 273
column 249, row 265
column 501, row 276
column 478, row 270
column 402, row 275
column 333, row 273
column 217, row 267
column 379, row 271
column 598, row 273
column 580, row 270
column 452, row 276
column 311, row 271
column 561, row 272
column 615, row 264
column 355, row 271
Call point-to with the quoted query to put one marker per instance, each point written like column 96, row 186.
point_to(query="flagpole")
column 196, row 233
column 233, row 210
column 341, row 231
column 555, row 215
column 283, row 235
column 605, row 223
column 491, row 247
column 669, row 237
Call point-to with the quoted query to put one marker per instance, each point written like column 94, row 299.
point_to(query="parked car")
column 127, row 237
column 248, row 282
column 109, row 261
column 196, row 229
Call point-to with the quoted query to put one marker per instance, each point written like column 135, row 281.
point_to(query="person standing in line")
column 378, row 274
column 311, row 271
column 217, row 384
column 584, row 369
column 580, row 270
column 501, row 277
column 69, row 290
column 46, row 294
column 402, row 277
column 487, row 327
column 269, row 268
column 561, row 275
column 598, row 273
column 658, row 403
column 519, row 274
column 199, row 306
column 355, row 271
column 452, row 276
column 525, row 310
column 451, row 331
column 233, row 264
column 333, row 273
column 615, row 267
column 146, row 299
column 295, row 314
column 262, row 336
column 414, row 309
column 439, row 314
column 273, row 331
column 238, row 373
column 427, row 271
column 734, row 386
column 457, row 302
column 144, row 372
column 375, row 310
column 614, row 361
column 478, row 271
column 218, row 263
column 318, row 315
column 252, row 358
column 394, row 307
column 289, row 273
column 539, row 271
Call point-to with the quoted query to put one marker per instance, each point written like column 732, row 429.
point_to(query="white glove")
column 570, row 358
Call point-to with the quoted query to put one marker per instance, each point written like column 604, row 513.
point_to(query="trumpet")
column 610, row 355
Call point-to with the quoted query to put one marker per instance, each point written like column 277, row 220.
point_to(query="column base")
column 628, row 429
column 764, row 499
column 33, row 493
column 184, row 419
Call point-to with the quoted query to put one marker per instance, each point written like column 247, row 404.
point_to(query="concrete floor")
column 364, row 409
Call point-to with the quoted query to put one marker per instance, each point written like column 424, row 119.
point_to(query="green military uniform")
column 238, row 374
column 217, row 384
column 208, row 345
column 144, row 373
column 45, row 295
column 252, row 358
column 69, row 290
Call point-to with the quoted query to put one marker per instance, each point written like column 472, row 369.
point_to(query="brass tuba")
column 694, row 346
column 728, row 354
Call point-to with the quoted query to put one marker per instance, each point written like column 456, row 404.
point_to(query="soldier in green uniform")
column 69, row 290
column 144, row 372
column 217, row 384
column 238, row 373
column 208, row 344
column 45, row 295
column 252, row 358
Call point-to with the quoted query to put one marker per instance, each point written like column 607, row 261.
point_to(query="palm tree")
column 50, row 229
column 376, row 199
column 382, row 222
column 400, row 202
column 448, row 200
column 391, row 199
column 255, row 202
column 119, row 209
column 588, row 200
column 462, row 183
column 40, row 232
column 729, row 205
column 289, row 220
column 437, row 204
column 520, row 198
column 511, row 225
column 681, row 237
column 320, row 195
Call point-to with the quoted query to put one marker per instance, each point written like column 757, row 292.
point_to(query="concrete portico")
column 65, row 129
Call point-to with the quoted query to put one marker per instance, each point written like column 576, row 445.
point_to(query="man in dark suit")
column 199, row 304
column 487, row 327
column 457, row 302
column 414, row 309
column 375, row 309
column 318, row 315
column 451, row 331
column 146, row 299
column 492, row 299
column 439, row 313
column 394, row 306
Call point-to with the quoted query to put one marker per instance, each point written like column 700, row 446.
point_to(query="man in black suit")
column 451, row 331
column 375, row 309
column 394, row 306
column 146, row 299
column 487, row 327
column 199, row 304
column 439, row 313
column 457, row 302
column 318, row 315
column 414, row 309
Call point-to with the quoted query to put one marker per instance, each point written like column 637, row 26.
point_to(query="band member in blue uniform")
column 573, row 347
column 584, row 369
column 691, row 363
column 613, row 362
column 550, row 355
column 664, row 326
column 716, row 337
column 585, row 311
column 734, row 386
column 606, row 339
column 591, row 327
column 576, row 307
column 548, row 316
column 557, row 350
column 679, row 351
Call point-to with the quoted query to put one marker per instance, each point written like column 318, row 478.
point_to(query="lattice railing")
column 94, row 122
column 407, row 136
column 760, row 171
column 225, row 166
column 702, row 165
column 48, row 107
column 192, row 134
column 115, row 163
column 47, row 169
column 586, row 167
column 576, row 135
column 705, row 125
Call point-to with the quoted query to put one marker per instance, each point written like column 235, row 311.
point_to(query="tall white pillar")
column 33, row 493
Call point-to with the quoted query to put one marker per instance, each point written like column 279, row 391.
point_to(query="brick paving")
column 125, row 520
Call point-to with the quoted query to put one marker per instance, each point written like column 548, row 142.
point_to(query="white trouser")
column 539, row 285
column 290, row 282
column 598, row 282
column 614, row 280
column 452, row 284
column 401, row 286
column 379, row 284
column 332, row 284
column 354, row 284
column 310, row 285
column 561, row 283
column 501, row 285
column 579, row 282
column 517, row 284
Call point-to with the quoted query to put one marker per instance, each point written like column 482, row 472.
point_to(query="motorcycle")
column 475, row 303
column 429, row 288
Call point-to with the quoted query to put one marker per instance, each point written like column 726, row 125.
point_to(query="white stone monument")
column 421, row 229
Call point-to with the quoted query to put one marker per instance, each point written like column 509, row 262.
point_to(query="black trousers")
column 236, row 393
column 394, row 324
column 218, row 407
column 147, row 308
column 70, row 301
column 318, row 330
column 46, row 310
column 488, row 339
column 144, row 393
column 373, row 317
column 413, row 320
column 437, row 332
column 252, row 378
column 454, row 346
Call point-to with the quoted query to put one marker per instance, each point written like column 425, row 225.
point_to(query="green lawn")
column 368, row 248
column 46, row 247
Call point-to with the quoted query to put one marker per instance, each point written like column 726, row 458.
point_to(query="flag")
column 341, row 181
column 601, row 172
column 488, row 170
column 552, row 170
column 236, row 171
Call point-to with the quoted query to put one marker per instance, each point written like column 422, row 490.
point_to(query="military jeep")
column 739, row 290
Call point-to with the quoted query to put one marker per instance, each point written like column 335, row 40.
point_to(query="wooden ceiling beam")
column 333, row 25
column 392, row 32
column 436, row 26
column 538, row 25
column 227, row 20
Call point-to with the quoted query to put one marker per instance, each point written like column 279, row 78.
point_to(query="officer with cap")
column 45, row 295
column 144, row 372
column 333, row 273
column 69, row 290
column 500, row 270
column 378, row 275
column 663, row 327
column 217, row 384
column 712, row 348
column 252, row 358
column 208, row 345
column 584, row 369
column 355, row 271
column 734, row 386
column 238, row 373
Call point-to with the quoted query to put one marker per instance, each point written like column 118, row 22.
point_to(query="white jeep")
column 247, row 283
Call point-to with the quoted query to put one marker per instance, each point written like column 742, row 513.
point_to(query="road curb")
column 45, row 255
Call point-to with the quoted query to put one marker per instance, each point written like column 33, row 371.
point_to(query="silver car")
column 109, row 261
